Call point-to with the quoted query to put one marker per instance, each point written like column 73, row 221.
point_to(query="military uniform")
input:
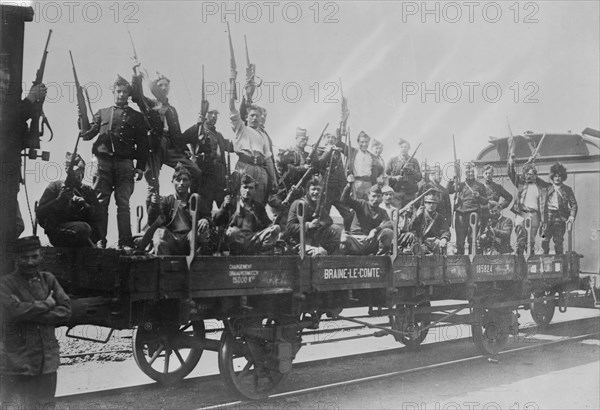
column 403, row 181
column 330, row 163
column 495, row 236
column 466, row 202
column 494, row 192
column 430, row 228
column 560, row 204
column 121, row 141
column 444, row 207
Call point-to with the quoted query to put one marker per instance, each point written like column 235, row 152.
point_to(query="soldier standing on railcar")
column 292, row 163
column 377, row 149
column 167, row 145
column 122, row 139
column 470, row 196
column 363, row 165
column 529, row 202
column 559, row 208
column 404, row 174
column 249, row 229
column 171, row 215
column 70, row 213
column 323, row 237
column 371, row 231
column 495, row 234
column 32, row 303
column 209, row 148
column 494, row 192
column 432, row 229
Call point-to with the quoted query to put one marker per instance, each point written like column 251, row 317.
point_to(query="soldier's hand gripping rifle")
column 403, row 167
column 36, row 129
column 312, row 160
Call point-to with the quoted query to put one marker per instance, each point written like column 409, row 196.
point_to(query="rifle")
column 409, row 159
column 426, row 171
column 232, row 64
column 251, row 85
column 536, row 152
column 511, row 141
column 204, row 104
column 456, row 161
column 345, row 113
column 84, row 122
column 35, row 129
column 414, row 201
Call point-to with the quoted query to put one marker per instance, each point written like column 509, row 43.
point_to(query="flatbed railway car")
column 266, row 302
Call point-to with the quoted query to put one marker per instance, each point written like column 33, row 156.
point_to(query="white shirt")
column 248, row 140
column 362, row 164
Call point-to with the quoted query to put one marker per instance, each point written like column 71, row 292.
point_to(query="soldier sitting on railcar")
column 69, row 210
column 430, row 226
column 494, row 238
column 249, row 229
column 171, row 218
column 559, row 208
column 323, row 237
column 371, row 230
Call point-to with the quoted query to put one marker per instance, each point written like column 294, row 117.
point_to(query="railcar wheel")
column 413, row 332
column 542, row 311
column 163, row 356
column 491, row 328
column 239, row 370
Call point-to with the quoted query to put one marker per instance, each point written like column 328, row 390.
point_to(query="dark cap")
column 120, row 81
column 376, row 189
column 247, row 179
column 403, row 141
column 27, row 244
column 362, row 134
column 431, row 197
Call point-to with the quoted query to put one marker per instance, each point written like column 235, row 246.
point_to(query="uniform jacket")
column 408, row 179
column 444, row 206
column 28, row 345
column 465, row 199
column 52, row 211
column 495, row 191
column 252, row 216
column 501, row 230
column 210, row 148
column 518, row 181
column 567, row 204
column 426, row 225
column 293, row 223
column 366, row 217
column 337, row 178
column 290, row 164
column 126, row 138
column 168, row 207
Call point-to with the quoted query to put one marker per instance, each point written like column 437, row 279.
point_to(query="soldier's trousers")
column 521, row 231
column 245, row 242
column 115, row 175
column 177, row 243
column 72, row 235
column 463, row 231
column 361, row 189
column 345, row 211
column 169, row 157
column 326, row 237
column 555, row 229
column 363, row 245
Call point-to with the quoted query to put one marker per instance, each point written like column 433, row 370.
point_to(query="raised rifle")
column 403, row 167
column 36, row 130
column 345, row 113
column 536, row 151
column 251, row 84
column 232, row 65
column 414, row 201
column 456, row 161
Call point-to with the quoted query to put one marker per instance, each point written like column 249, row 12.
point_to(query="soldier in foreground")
column 528, row 204
column 323, row 237
column 495, row 235
column 403, row 174
column 371, row 231
column 171, row 215
column 470, row 197
column 69, row 211
column 430, row 227
column 32, row 303
column 121, row 141
column 444, row 206
column 248, row 228
column 559, row 209
column 209, row 148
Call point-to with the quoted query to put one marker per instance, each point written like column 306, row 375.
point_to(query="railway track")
column 397, row 362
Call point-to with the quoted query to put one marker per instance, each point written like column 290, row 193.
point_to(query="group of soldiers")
column 365, row 190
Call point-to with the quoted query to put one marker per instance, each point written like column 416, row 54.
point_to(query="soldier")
column 252, row 145
column 559, row 208
column 494, row 192
column 529, row 202
column 174, row 226
column 32, row 303
column 430, row 226
column 70, row 213
column 444, row 206
column 371, row 230
column 249, row 229
column 323, row 237
column 495, row 235
column 363, row 165
column 168, row 145
column 403, row 174
column 122, row 139
column 209, row 148
column 470, row 195
column 293, row 162
column 377, row 149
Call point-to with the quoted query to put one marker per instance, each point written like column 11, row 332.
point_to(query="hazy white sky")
column 421, row 71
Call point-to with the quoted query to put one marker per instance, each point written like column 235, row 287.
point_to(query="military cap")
column 431, row 197
column 488, row 167
column 403, row 141
column 120, row 81
column 375, row 189
column 301, row 133
column 387, row 189
column 469, row 165
column 27, row 244
column 375, row 142
column 181, row 170
column 213, row 110
column 79, row 163
column 162, row 77
column 363, row 134
column 247, row 179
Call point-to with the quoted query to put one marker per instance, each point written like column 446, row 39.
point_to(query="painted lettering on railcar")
column 351, row 273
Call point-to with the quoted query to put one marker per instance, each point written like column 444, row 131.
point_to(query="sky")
column 422, row 71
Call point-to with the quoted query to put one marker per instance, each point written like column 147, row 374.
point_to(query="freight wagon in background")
column 580, row 154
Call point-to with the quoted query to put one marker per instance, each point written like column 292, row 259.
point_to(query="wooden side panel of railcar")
column 351, row 272
column 491, row 268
